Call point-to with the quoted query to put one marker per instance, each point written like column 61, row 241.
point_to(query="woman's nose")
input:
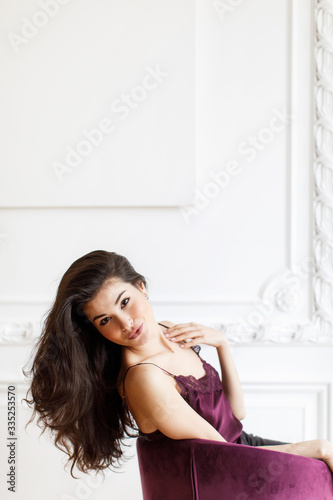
column 126, row 323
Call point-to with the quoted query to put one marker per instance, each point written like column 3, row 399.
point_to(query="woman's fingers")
column 191, row 343
column 182, row 332
column 197, row 333
column 180, row 327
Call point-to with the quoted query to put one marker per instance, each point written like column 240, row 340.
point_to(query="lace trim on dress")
column 190, row 385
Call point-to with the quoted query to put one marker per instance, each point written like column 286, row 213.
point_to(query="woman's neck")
column 156, row 344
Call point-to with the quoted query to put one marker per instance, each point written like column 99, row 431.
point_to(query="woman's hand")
column 198, row 334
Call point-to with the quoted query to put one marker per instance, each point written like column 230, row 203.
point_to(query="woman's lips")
column 137, row 332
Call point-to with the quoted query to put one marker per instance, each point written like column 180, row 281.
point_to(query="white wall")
column 215, row 187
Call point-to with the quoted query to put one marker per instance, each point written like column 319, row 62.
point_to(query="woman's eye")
column 104, row 321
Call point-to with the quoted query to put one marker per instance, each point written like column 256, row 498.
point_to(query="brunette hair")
column 74, row 370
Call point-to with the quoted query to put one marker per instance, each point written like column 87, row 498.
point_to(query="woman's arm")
column 315, row 448
column 200, row 334
column 154, row 399
column 230, row 381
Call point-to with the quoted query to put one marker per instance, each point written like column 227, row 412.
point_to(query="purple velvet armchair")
column 198, row 469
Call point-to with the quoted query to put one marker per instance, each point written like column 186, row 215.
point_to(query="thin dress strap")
column 163, row 325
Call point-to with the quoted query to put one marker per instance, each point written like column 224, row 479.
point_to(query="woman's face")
column 118, row 310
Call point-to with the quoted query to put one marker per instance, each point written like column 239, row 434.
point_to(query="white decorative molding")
column 320, row 329
column 18, row 332
column 312, row 399
column 282, row 291
column 323, row 169
column 94, row 147
column 273, row 333
column 287, row 299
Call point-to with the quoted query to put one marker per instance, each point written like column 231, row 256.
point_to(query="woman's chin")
column 142, row 339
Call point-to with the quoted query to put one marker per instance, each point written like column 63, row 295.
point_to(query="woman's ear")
column 142, row 287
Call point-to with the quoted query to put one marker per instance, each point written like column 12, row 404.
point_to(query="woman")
column 103, row 358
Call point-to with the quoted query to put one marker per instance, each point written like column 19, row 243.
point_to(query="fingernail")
column 166, row 334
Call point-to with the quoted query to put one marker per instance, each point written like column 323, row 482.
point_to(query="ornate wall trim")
column 323, row 170
column 272, row 333
column 309, row 397
column 18, row 333
column 320, row 329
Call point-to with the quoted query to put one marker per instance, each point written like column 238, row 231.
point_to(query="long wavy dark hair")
column 74, row 371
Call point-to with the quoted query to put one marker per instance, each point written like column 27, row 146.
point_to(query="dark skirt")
column 251, row 440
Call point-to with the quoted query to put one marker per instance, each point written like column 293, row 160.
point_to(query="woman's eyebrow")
column 117, row 300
